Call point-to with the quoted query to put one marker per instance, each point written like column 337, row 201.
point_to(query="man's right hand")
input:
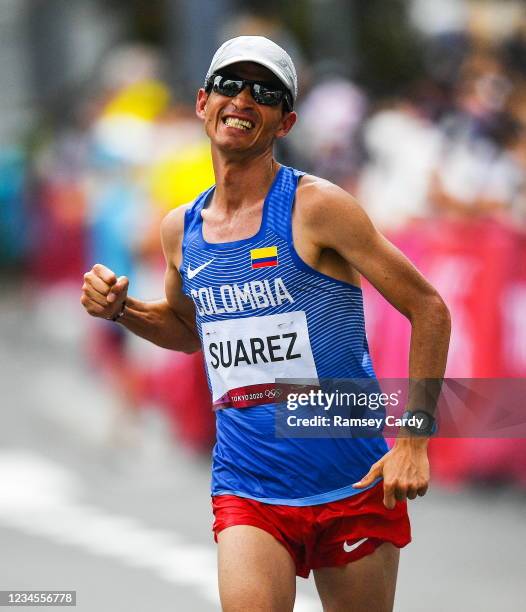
column 103, row 293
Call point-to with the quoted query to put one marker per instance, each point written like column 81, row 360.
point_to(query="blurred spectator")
column 402, row 148
column 472, row 167
column 444, row 24
column 13, row 233
column 332, row 150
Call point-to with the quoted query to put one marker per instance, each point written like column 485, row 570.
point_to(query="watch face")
column 425, row 420
column 424, row 424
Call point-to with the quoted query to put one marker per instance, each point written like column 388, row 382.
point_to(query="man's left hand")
column 404, row 469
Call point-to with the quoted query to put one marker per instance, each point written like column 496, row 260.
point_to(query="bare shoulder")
column 321, row 205
column 172, row 230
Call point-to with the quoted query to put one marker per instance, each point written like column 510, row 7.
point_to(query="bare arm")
column 169, row 323
column 333, row 220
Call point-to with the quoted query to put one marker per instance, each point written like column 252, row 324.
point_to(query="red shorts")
column 325, row 535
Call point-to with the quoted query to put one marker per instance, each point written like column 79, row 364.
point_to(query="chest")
column 240, row 224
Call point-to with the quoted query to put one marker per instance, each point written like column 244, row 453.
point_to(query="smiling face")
column 240, row 125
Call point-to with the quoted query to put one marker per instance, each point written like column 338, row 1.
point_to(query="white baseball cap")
column 259, row 50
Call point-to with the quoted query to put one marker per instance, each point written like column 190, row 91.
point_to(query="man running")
column 263, row 274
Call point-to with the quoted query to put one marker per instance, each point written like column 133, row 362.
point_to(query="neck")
column 242, row 181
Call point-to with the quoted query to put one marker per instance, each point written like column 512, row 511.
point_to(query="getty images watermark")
column 446, row 408
column 334, row 401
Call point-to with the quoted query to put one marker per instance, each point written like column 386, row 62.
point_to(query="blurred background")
column 417, row 107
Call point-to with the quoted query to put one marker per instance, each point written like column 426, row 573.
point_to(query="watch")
column 419, row 422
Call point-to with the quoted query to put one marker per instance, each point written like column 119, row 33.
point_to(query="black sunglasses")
column 263, row 92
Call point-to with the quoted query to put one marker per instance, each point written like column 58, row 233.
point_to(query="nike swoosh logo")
column 351, row 547
column 191, row 273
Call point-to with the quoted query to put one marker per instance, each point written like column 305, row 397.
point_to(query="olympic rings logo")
column 272, row 393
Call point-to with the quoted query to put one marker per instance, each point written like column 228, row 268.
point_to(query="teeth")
column 238, row 123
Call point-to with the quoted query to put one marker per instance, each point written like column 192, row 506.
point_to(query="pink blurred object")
column 479, row 267
column 180, row 386
column 57, row 250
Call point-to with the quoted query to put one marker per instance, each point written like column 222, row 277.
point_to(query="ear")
column 287, row 122
column 200, row 103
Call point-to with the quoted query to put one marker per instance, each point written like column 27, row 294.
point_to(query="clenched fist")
column 103, row 293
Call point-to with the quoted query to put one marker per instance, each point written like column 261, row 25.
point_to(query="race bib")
column 244, row 357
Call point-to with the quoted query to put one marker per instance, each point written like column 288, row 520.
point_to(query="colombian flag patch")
column 264, row 258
